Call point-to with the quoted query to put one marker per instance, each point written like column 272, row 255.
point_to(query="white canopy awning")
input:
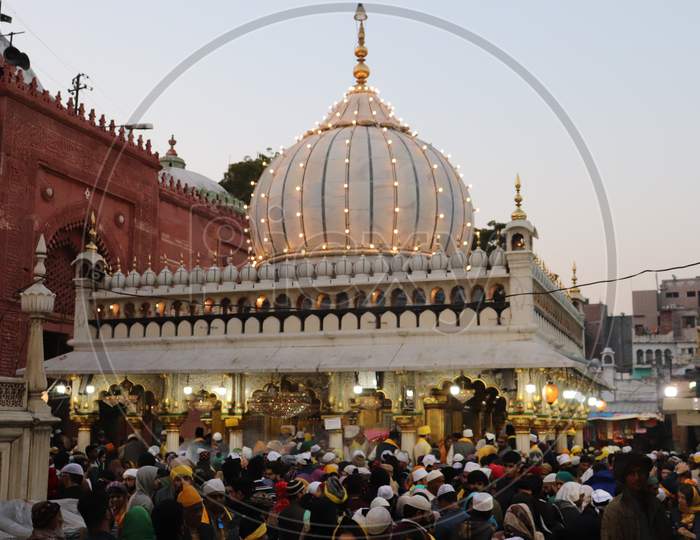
column 411, row 356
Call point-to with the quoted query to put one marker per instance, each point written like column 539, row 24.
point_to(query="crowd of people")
column 297, row 487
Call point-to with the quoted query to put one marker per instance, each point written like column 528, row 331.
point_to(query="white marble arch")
column 200, row 328
column 407, row 320
column 467, row 318
column 488, row 317
column 168, row 329
column 218, row 328
column 234, row 326
column 121, row 331
column 348, row 322
column 331, row 323
column 387, row 320
column 368, row 321
column 252, row 326
column 271, row 325
column 184, row 329
column 292, row 324
column 312, row 324
column 427, row 319
column 136, row 330
column 506, row 317
column 105, row 331
column 152, row 330
column 447, row 318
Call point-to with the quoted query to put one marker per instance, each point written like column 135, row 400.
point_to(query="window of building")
column 640, row 357
column 673, row 294
column 688, row 321
column 690, row 294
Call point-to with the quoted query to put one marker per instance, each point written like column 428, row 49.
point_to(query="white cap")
column 299, row 435
column 379, row 501
column 386, row 453
column 533, row 437
column 74, row 468
column 377, row 520
column 234, row 455
column 433, row 475
column 385, row 492
column 402, row 456
column 626, row 449
column 217, row 437
column 419, row 502
column 418, row 475
column 550, row 478
column 358, row 453
column 428, row 460
column 470, row 466
column 328, row 457
column 154, row 450
column 586, row 476
column 315, row 449
column 457, row 465
column 482, row 501
column 304, row 457
column 575, row 460
column 349, row 469
column 445, row 489
column 359, row 518
column 202, row 450
column 468, row 433
column 246, row 452
column 457, row 457
column 213, row 486
column 129, row 473
column 273, row 456
column 600, row 496
column 364, row 471
column 489, row 436
column 563, row 459
column 486, row 471
column 661, row 495
column 313, row 488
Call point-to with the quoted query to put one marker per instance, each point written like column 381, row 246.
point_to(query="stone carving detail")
column 12, row 395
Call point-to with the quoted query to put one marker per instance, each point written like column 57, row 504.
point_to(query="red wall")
column 86, row 166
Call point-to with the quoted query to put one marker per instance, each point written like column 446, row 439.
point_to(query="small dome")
column 181, row 275
column 497, row 257
column 478, row 258
column 165, row 277
column 343, row 267
column 213, row 274
column 197, row 275
column 108, row 281
column 398, row 263
column 380, row 265
column 287, row 270
column 230, row 273
column 174, row 166
column 324, row 268
column 248, row 273
column 362, row 266
column 118, row 279
column 459, row 260
column 148, row 278
column 266, row 272
column 438, row 261
column 418, row 263
column 305, row 269
column 133, row 279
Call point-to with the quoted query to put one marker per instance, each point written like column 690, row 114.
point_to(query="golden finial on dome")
column 477, row 233
column 92, row 234
column 518, row 213
column 574, row 280
column 361, row 70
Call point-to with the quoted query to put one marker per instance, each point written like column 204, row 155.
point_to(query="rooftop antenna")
column 78, row 85
column 13, row 55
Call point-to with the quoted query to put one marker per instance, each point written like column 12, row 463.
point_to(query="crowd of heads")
column 296, row 486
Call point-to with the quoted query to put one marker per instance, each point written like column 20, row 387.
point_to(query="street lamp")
column 671, row 391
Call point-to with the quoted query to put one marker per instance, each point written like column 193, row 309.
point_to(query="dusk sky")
column 625, row 72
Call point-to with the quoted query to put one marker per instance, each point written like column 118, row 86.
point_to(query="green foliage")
column 490, row 235
column 239, row 180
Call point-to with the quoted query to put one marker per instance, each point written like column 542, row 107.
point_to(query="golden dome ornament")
column 550, row 392
column 361, row 69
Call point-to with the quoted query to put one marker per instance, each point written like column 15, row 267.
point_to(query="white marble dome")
column 359, row 183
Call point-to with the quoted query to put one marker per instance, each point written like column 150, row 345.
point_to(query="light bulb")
column 187, row 390
column 90, row 389
column 671, row 391
column 221, row 390
column 530, row 388
column 357, row 389
column 454, row 389
column 592, row 401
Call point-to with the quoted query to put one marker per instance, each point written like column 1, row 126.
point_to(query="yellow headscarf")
column 188, row 496
column 180, row 470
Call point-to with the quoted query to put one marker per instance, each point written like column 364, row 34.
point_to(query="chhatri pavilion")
column 367, row 300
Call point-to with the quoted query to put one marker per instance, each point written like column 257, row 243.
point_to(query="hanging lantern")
column 551, row 392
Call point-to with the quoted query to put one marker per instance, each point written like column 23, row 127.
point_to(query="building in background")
column 608, row 331
column 58, row 164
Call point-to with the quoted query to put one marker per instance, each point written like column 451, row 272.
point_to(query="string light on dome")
column 347, row 160
column 354, row 122
column 396, row 209
column 347, row 141
column 388, row 141
column 298, row 188
column 469, row 224
column 396, row 231
column 345, row 186
column 347, row 231
column 245, row 230
column 346, row 210
column 298, row 214
column 393, row 160
column 285, row 250
column 439, row 190
column 262, row 220
column 384, row 128
column 272, row 171
column 301, row 164
column 396, row 184
column 425, row 147
column 371, row 246
column 442, row 216
column 434, row 165
column 301, row 235
column 262, row 195
column 468, row 199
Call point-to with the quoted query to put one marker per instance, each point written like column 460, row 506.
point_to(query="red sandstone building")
column 56, row 166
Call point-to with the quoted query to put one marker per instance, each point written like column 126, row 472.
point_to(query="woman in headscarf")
column 118, row 496
column 568, row 502
column 518, row 522
column 47, row 521
column 145, row 487
column 137, row 525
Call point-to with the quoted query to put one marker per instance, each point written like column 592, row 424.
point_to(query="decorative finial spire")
column 518, row 213
column 172, row 142
column 149, row 261
column 574, row 280
column 92, row 234
column 133, row 264
column 361, row 70
column 182, row 260
column 119, row 265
